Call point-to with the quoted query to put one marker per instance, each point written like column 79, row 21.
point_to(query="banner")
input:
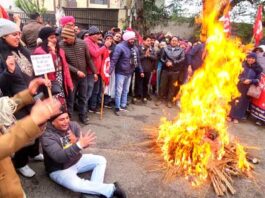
column 257, row 29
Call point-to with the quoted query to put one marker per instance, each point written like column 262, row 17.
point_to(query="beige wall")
column 81, row 3
column 49, row 5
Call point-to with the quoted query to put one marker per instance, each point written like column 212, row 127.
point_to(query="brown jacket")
column 17, row 136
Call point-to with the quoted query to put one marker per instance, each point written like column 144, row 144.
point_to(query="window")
column 99, row 1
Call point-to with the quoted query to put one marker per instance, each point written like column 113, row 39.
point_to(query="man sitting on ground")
column 62, row 143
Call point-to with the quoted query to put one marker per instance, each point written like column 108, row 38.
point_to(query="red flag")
column 257, row 29
column 3, row 13
column 227, row 24
column 105, row 68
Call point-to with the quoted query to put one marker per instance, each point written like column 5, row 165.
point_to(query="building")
column 103, row 13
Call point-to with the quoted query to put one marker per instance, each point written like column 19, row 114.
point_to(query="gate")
column 104, row 19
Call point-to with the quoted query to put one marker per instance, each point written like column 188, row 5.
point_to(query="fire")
column 199, row 134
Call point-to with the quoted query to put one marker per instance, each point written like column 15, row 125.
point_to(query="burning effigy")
column 197, row 144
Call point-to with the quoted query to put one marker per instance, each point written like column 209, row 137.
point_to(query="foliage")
column 243, row 31
column 150, row 16
column 31, row 6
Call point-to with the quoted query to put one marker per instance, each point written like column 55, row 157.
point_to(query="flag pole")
column 102, row 99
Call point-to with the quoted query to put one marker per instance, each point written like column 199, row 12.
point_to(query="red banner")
column 257, row 29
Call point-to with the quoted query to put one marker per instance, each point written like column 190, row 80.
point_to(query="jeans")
column 158, row 76
column 90, row 86
column 94, row 101
column 68, row 177
column 122, row 85
column 80, row 87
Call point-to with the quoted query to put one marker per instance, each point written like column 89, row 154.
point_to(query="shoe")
column 235, row 121
column 108, row 106
column 117, row 112
column 149, row 98
column 158, row 103
column 96, row 110
column 259, row 123
column 144, row 100
column 84, row 120
column 125, row 109
column 119, row 192
column 26, row 171
column 39, row 157
column 169, row 104
column 91, row 196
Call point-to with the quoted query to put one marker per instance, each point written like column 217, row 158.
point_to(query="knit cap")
column 93, row 30
column 7, row 27
column 128, row 35
column 67, row 19
column 46, row 32
column 108, row 34
column 68, row 33
column 252, row 55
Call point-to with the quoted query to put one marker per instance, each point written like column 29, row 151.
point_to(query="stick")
column 48, row 88
column 102, row 100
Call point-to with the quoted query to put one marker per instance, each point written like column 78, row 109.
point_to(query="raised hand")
column 34, row 84
column 11, row 64
column 85, row 140
column 44, row 110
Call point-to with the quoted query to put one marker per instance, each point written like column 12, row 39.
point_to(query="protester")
column 148, row 59
column 96, row 53
column 79, row 60
column 125, row 59
column 17, row 72
column 61, row 79
column 62, row 144
column 20, row 133
column 250, row 75
column 67, row 21
column 30, row 32
column 172, row 62
column 117, row 38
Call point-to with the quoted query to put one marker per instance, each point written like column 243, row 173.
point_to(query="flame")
column 205, row 104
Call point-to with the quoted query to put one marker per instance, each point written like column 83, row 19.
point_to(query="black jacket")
column 176, row 55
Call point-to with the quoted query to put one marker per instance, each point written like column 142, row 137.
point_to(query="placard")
column 42, row 64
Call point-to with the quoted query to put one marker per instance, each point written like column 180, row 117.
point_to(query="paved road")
column 128, row 163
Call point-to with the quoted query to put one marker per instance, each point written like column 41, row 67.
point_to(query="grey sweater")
column 58, row 152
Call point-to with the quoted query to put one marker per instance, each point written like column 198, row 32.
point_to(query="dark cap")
column 46, row 32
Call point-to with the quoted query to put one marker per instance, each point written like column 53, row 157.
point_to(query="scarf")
column 23, row 63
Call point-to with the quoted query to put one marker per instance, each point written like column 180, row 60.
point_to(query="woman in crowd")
column 250, row 75
column 61, row 80
column 16, row 73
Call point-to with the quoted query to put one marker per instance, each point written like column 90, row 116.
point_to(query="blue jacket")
column 121, row 59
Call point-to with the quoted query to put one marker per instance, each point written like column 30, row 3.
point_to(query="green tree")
column 149, row 15
column 31, row 6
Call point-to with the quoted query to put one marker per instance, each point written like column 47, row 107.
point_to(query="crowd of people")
column 91, row 65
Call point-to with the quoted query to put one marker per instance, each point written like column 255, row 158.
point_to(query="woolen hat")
column 128, row 35
column 46, row 32
column 93, row 30
column 7, row 27
column 108, row 34
column 252, row 55
column 67, row 19
column 68, row 33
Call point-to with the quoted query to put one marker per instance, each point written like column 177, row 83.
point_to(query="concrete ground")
column 117, row 139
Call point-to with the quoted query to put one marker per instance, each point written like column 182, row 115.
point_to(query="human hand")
column 52, row 46
column 189, row 70
column 35, row 83
column 80, row 74
column 16, row 18
column 95, row 77
column 107, row 44
column 169, row 63
column 85, row 140
column 11, row 64
column 247, row 81
column 44, row 110
column 72, row 137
